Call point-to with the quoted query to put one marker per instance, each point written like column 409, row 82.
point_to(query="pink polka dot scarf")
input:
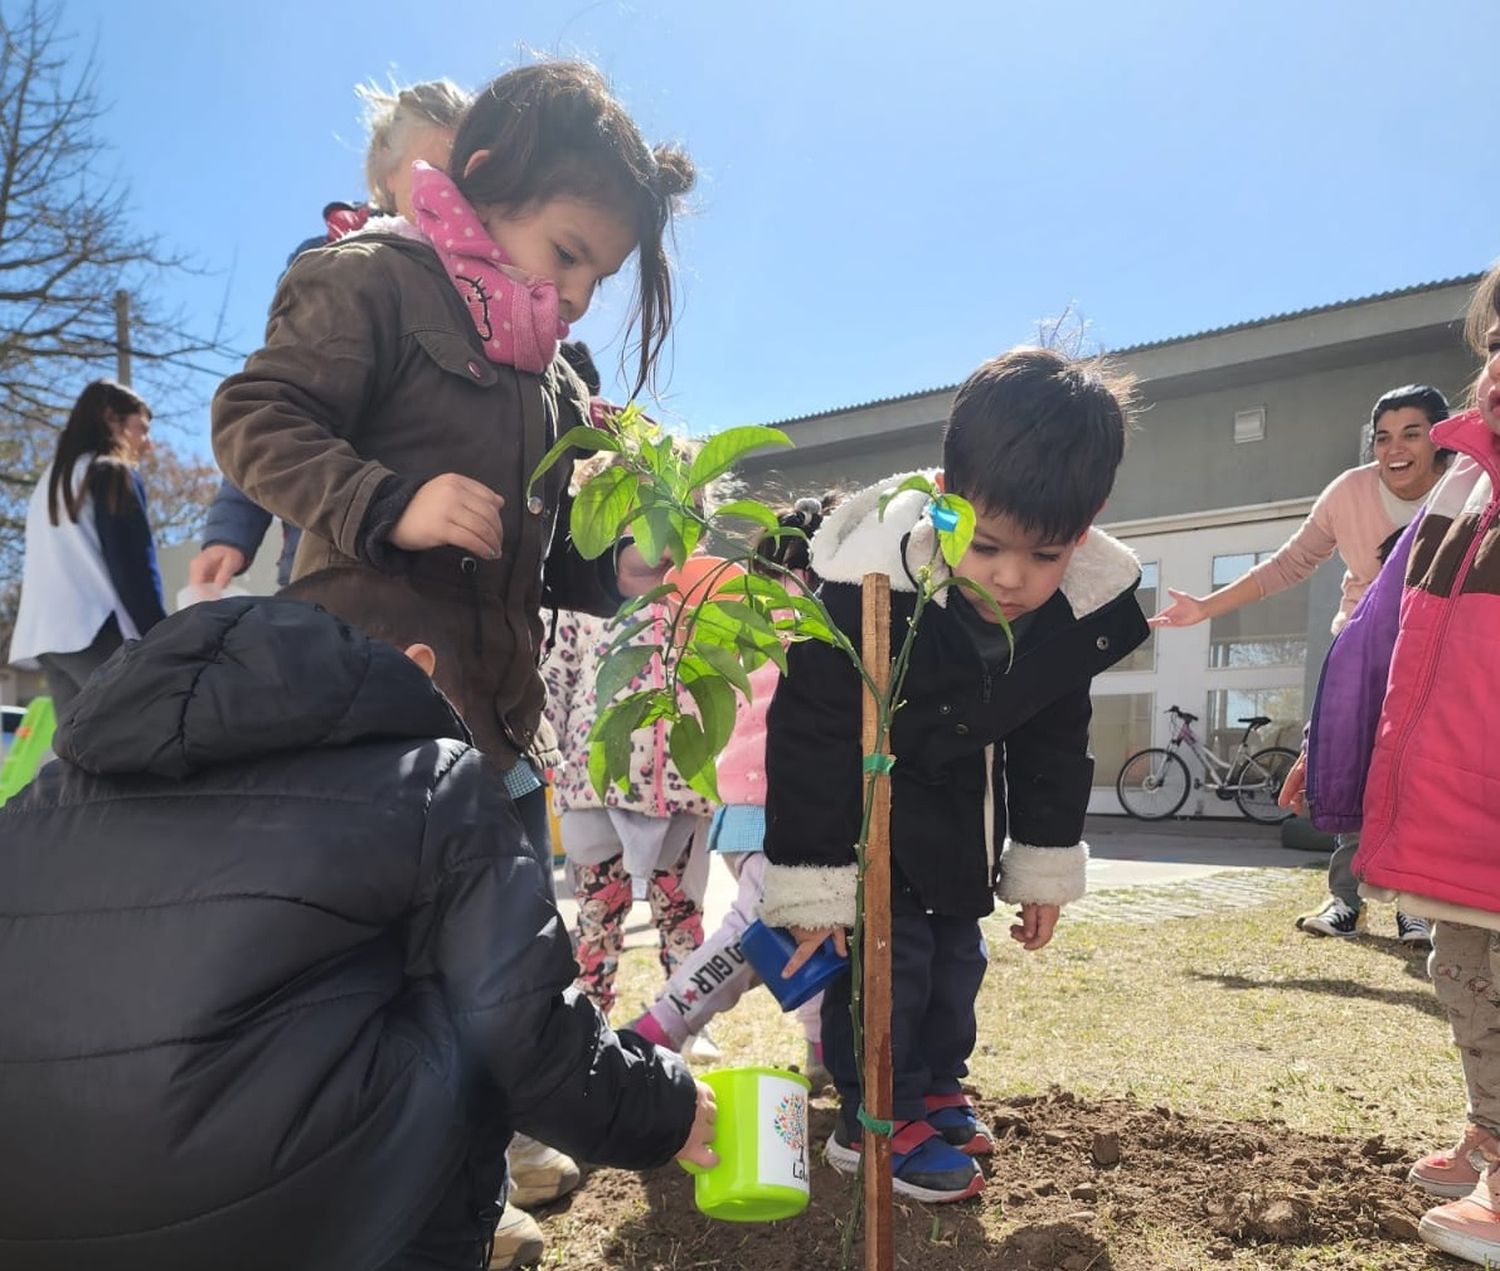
column 514, row 312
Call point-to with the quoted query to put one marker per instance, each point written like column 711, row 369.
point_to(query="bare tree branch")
column 68, row 243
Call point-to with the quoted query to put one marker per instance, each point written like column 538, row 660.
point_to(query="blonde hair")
column 392, row 115
column 1484, row 312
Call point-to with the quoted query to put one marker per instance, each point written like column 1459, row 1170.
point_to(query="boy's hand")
column 808, row 939
column 1036, row 926
column 697, row 1149
column 1293, row 794
column 633, row 576
column 451, row 511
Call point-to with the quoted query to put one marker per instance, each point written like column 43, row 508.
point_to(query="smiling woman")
column 1357, row 513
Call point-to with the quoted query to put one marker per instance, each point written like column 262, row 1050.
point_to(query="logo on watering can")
column 783, row 1106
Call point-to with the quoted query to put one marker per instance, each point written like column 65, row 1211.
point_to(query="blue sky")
column 889, row 193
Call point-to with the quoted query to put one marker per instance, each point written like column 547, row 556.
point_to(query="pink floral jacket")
column 570, row 670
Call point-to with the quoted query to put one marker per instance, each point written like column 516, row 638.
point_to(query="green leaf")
column 611, row 734
column 915, row 482
column 652, row 530
column 775, row 595
column 738, row 611
column 715, row 701
column 580, row 438
column 726, row 664
column 636, row 603
column 619, row 669
column 690, row 752
column 768, row 645
column 987, row 600
column 723, row 450
column 749, row 510
column 955, row 542
column 599, row 769
column 628, row 632
column 601, row 511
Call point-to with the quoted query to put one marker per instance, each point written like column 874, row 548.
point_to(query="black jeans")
column 937, row 966
column 68, row 672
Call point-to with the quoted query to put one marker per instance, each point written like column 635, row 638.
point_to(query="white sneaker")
column 538, row 1174
column 518, row 1241
column 700, row 1048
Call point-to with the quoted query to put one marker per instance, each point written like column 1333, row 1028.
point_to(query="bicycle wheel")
column 1153, row 784
column 1260, row 782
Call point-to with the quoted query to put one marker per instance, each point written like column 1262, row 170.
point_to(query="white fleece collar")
column 854, row 541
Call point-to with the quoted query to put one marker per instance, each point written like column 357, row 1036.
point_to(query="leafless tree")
column 68, row 245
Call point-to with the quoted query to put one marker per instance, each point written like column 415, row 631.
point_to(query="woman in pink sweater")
column 717, row 975
column 1359, row 515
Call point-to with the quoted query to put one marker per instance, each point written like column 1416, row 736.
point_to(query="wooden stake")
column 879, row 1210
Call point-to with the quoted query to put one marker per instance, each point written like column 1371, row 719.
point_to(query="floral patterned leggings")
column 604, row 895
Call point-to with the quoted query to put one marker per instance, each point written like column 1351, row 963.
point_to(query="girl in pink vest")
column 715, row 977
column 1431, row 814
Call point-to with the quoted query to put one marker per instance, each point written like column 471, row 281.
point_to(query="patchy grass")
column 1252, row 1034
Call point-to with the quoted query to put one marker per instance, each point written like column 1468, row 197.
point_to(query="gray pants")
column 1465, row 970
column 68, row 672
column 1341, row 881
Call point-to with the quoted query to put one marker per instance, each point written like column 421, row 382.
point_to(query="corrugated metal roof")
column 1461, row 279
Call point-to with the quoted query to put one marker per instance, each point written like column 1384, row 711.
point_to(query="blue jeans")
column 937, row 966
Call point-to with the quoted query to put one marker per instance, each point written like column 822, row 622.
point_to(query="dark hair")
column 1484, row 311
column 791, row 552
column 553, row 129
column 1422, row 397
column 87, row 432
column 384, row 609
column 1037, row 436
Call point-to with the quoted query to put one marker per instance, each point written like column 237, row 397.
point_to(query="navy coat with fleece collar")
column 951, row 802
column 266, row 927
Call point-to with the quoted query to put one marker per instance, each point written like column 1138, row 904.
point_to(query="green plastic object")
column 760, row 1134
column 33, row 743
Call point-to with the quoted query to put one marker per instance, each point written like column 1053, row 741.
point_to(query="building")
column 1240, row 429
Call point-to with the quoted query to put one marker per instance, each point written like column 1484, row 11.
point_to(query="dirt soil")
column 1076, row 1185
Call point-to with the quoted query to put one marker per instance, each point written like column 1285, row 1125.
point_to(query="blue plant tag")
column 944, row 517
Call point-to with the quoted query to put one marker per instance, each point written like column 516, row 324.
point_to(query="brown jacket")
column 372, row 368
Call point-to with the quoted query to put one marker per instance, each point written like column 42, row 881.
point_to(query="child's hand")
column 633, row 575
column 1293, row 794
column 808, row 939
column 697, row 1149
column 1036, row 926
column 451, row 511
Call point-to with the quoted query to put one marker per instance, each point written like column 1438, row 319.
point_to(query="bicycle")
column 1154, row 783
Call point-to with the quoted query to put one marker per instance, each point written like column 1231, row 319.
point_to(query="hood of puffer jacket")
column 234, row 679
column 855, row 540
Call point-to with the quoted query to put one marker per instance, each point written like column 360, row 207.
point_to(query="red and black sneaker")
column 923, row 1166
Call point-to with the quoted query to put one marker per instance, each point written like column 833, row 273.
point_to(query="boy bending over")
column 281, row 975
column 992, row 772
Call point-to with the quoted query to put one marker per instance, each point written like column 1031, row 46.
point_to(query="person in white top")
column 90, row 580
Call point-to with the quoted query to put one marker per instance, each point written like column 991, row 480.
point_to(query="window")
column 1249, row 425
column 1143, row 658
column 1121, row 726
column 1269, row 632
column 1227, row 706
